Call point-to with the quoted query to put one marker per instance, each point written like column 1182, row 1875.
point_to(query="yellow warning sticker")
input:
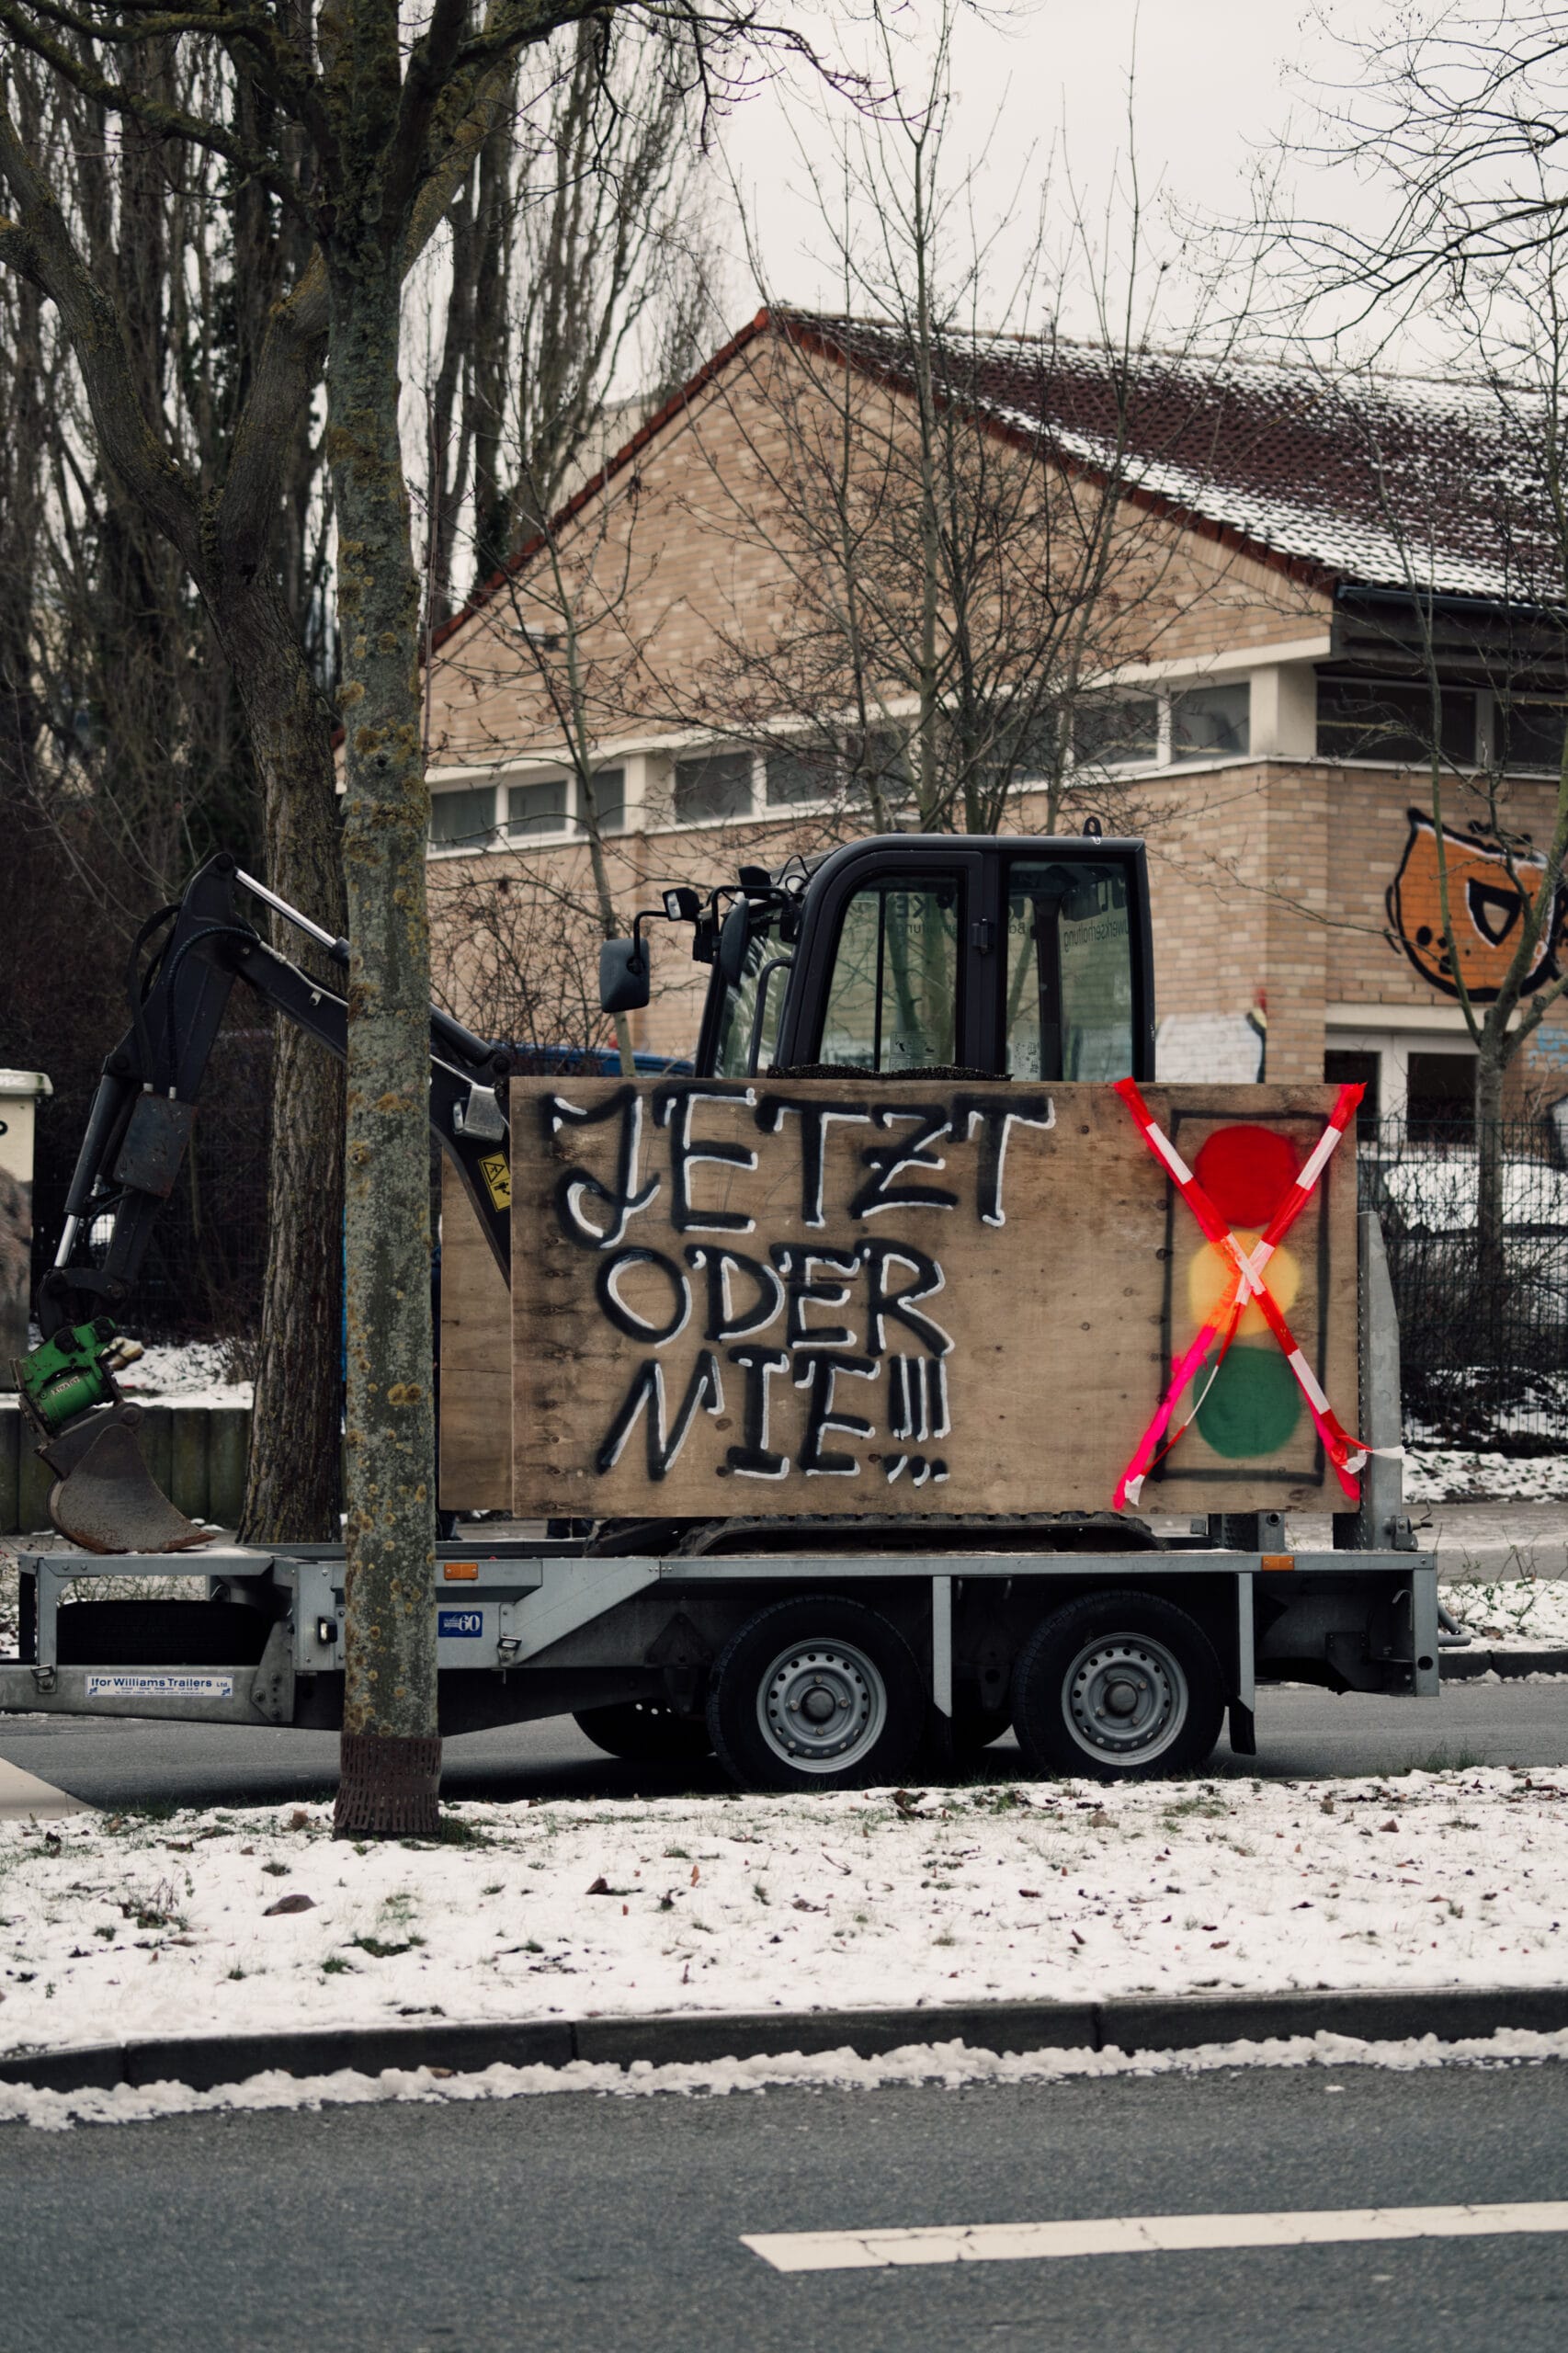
column 497, row 1175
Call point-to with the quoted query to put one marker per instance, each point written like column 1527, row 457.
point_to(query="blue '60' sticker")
column 459, row 1621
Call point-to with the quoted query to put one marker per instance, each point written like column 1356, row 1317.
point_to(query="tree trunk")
column 294, row 1486
column 391, row 1750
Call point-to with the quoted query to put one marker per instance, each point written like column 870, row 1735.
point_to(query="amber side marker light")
column 453, row 1570
column 1266, row 1560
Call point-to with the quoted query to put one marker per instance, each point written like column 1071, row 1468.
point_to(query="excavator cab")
column 992, row 957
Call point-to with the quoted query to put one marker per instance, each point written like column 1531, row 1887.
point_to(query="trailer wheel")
column 645, row 1731
column 816, row 1693
column 1118, row 1686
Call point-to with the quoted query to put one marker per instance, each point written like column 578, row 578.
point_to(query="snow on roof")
column 1374, row 481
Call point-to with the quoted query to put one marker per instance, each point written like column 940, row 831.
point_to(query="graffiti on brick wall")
column 1486, row 903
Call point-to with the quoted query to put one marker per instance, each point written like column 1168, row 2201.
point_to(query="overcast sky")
column 1216, row 87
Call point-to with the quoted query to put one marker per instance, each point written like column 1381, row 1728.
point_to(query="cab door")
column 897, row 953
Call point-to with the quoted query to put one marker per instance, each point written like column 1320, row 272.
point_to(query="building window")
column 536, row 808
column 462, row 820
column 1439, row 1103
column 1345, row 1066
column 711, row 786
column 610, row 800
column 1211, row 722
column 1371, row 719
column 1116, row 730
column 1529, row 734
column 793, row 776
column 880, row 758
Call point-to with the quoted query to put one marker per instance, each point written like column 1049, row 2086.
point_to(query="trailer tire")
column 816, row 1693
column 645, row 1731
column 1118, row 1686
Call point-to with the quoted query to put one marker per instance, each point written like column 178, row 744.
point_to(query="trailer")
column 671, row 1576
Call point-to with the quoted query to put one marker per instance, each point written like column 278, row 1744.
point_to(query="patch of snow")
column 1062, row 1891
column 1520, row 1613
column 947, row 2064
column 1439, row 1194
column 1435, row 1474
column 196, row 1372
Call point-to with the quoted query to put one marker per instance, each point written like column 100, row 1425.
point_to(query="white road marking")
column 23, row 1798
column 1140, row 2235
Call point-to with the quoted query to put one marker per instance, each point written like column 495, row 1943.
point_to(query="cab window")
column 893, row 1004
column 1067, row 1011
column 764, row 975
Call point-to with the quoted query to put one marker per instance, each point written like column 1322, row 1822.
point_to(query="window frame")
column 470, row 845
column 567, row 824
column 1389, row 759
column 710, row 752
column 894, row 861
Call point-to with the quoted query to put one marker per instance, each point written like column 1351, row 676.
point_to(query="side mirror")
column 733, row 941
column 623, row 975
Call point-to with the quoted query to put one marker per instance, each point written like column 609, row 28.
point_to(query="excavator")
column 1113, row 1649
column 769, row 942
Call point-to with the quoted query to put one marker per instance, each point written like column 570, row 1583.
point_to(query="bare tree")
column 1492, row 931
column 519, row 948
column 197, row 353
column 374, row 129
column 953, row 510
column 571, row 257
column 1459, row 113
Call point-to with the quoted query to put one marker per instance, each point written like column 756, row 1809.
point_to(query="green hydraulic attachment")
column 104, row 1496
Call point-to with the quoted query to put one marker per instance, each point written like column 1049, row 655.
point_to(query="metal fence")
column 1484, row 1360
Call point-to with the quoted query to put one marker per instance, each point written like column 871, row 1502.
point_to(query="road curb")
column 1464, row 1666
column 1451, row 2014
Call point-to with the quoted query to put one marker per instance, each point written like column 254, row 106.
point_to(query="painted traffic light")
column 1251, row 1404
column 1249, row 1184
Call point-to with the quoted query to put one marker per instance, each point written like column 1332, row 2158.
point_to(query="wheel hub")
column 1126, row 1696
column 821, row 1705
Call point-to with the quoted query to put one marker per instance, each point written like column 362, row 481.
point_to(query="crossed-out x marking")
column 1247, row 1281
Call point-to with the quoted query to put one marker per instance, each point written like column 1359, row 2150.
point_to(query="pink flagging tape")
column 1347, row 1455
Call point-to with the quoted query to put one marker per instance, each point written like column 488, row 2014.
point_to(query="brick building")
column 1264, row 708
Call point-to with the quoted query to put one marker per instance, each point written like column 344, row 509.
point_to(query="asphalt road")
column 1300, row 1733
column 588, row 2226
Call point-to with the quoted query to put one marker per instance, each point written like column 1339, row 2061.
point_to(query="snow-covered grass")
column 195, row 1372
column 947, row 2064
column 133, row 1926
column 1435, row 1474
column 1516, row 1613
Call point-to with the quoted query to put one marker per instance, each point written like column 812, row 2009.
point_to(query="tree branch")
column 40, row 245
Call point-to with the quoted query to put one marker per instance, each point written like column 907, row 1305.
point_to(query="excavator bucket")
column 104, row 1496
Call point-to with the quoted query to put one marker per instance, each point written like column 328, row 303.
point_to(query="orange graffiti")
column 1486, row 903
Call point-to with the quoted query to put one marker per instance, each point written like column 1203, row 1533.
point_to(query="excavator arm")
column 183, row 966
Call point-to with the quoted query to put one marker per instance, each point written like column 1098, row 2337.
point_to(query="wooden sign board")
column 475, row 1353
column 830, row 1296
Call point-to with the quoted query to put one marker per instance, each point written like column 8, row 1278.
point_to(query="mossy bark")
column 391, row 1762
column 294, row 1483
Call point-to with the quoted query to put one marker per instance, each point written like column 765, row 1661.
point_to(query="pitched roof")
column 1373, row 481
column 1369, row 482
